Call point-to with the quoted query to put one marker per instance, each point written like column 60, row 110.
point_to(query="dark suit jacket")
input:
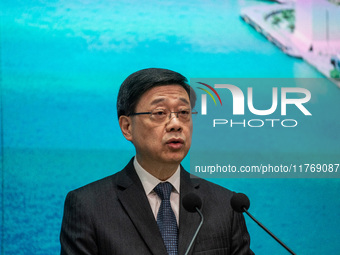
column 113, row 216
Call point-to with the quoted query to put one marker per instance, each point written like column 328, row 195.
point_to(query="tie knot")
column 163, row 190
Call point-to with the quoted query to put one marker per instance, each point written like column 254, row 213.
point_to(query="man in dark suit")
column 138, row 210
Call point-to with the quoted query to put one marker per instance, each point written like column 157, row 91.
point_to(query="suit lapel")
column 188, row 222
column 136, row 204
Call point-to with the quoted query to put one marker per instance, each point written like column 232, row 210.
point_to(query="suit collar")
column 133, row 198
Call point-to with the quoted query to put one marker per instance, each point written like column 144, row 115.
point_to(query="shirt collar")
column 149, row 181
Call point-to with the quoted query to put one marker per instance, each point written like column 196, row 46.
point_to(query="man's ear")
column 125, row 126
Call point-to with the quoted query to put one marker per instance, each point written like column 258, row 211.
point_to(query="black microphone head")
column 191, row 201
column 239, row 202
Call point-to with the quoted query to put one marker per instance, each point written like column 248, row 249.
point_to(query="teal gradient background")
column 62, row 62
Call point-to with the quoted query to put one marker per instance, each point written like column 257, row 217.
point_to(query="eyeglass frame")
column 169, row 113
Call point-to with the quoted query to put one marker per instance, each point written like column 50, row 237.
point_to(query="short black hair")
column 136, row 84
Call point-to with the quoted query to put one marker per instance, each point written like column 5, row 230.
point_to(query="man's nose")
column 174, row 124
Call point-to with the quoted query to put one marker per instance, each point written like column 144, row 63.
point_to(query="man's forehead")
column 166, row 93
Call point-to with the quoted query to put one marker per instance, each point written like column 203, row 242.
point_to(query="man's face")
column 165, row 142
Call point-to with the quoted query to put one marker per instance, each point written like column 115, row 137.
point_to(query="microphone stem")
column 198, row 229
column 270, row 233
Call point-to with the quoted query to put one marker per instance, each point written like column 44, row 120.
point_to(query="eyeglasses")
column 160, row 115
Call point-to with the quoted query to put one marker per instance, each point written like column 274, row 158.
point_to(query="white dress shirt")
column 149, row 182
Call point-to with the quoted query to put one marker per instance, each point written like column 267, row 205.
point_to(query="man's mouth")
column 175, row 143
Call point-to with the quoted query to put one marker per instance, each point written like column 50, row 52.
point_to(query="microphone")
column 192, row 203
column 240, row 203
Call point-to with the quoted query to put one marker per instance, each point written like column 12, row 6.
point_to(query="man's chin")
column 175, row 158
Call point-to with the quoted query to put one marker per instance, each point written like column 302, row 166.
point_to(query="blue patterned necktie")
column 166, row 219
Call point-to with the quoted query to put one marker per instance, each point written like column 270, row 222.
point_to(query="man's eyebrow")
column 184, row 100
column 156, row 101
column 159, row 100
